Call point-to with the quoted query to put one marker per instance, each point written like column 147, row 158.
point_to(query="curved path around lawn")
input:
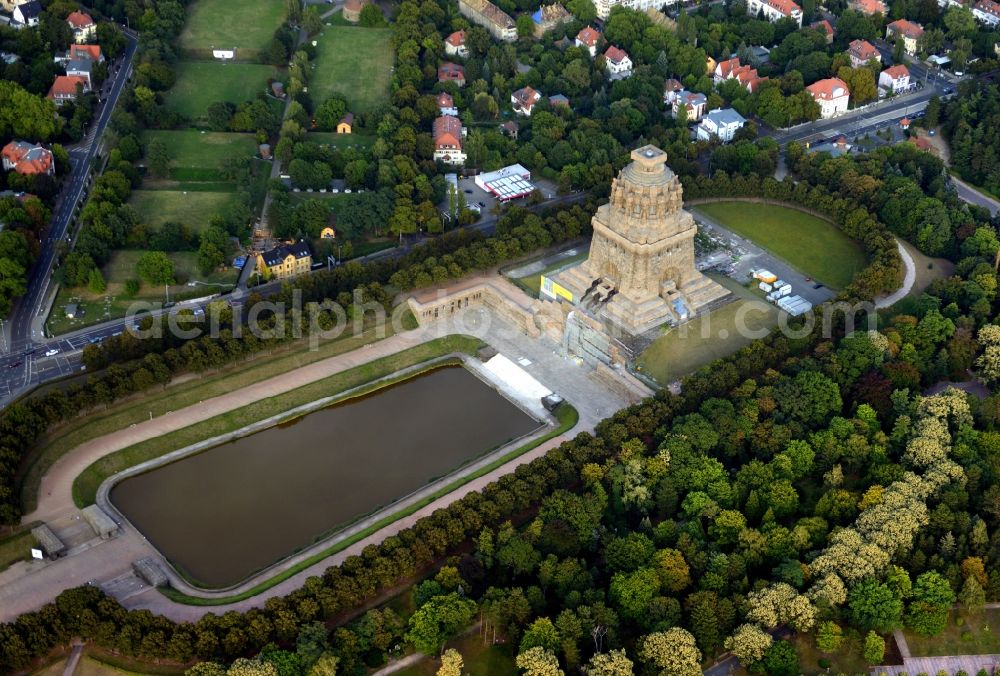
column 909, row 278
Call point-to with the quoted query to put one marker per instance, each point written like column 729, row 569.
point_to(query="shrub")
column 132, row 287
column 959, row 621
column 824, row 663
column 966, row 635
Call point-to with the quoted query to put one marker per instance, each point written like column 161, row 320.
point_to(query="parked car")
column 51, row 353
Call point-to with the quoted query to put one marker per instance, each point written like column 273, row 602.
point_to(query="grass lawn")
column 202, row 83
column 16, row 547
column 330, row 138
column 354, row 63
column 197, row 155
column 684, row 349
column 847, row 659
column 480, row 660
column 978, row 635
column 192, row 208
column 811, row 245
column 532, row 284
column 225, row 24
column 113, row 302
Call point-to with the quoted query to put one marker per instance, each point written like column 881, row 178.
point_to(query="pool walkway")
column 27, row 586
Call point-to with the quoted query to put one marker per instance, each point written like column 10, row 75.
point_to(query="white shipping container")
column 765, row 287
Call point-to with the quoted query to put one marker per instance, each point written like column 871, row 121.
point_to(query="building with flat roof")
column 508, row 183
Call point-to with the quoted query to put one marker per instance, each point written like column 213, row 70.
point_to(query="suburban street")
column 22, row 364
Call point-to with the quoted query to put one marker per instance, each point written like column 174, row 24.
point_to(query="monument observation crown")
column 643, row 250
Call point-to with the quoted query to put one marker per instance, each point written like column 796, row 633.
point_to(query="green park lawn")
column 812, row 246
column 682, row 350
column 202, row 83
column 114, row 303
column 330, row 138
column 479, row 660
column 977, row 635
column 192, row 208
column 225, row 24
column 196, row 155
column 355, row 63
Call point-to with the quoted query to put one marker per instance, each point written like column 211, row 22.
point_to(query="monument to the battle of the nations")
column 640, row 272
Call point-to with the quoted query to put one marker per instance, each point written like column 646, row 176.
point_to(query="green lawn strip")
column 330, row 138
column 17, row 546
column 847, row 660
column 100, row 659
column 192, row 208
column 479, row 659
column 97, row 423
column 976, row 635
column 565, row 414
column 355, row 63
column 807, row 243
column 228, row 24
column 201, row 83
column 532, row 284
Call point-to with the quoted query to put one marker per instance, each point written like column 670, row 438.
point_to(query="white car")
column 51, row 353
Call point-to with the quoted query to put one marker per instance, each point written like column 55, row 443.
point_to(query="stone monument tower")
column 640, row 272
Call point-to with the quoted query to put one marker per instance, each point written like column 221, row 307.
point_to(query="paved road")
column 973, row 196
column 22, row 332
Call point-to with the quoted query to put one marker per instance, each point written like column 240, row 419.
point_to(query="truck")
column 765, row 276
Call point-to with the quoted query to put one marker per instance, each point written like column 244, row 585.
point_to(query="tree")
column 614, row 663
column 828, row 637
column 673, row 570
column 542, row 633
column 749, row 643
column 451, row 659
column 673, row 651
column 330, row 112
column 780, row 659
column 525, row 26
column 873, row 606
column 633, row 592
column 155, row 268
column 930, row 602
column 439, row 620
column 874, row 649
column 158, row 158
column 972, row 597
column 538, row 662
column 312, row 21
column 96, row 283
column 371, row 16
column 325, row 666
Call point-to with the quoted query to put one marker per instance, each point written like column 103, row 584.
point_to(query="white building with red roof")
column 448, row 133
column 446, row 104
column 832, row 96
column 83, row 26
column 824, row 27
column 524, row 100
column 732, row 69
column 28, row 158
column 987, row 12
column 65, row 88
column 775, row 10
column 894, row 79
column 909, row 32
column 617, row 63
column 868, row 7
column 454, row 45
column 861, row 52
column 588, row 39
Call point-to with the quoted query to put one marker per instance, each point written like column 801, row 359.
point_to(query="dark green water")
column 229, row 511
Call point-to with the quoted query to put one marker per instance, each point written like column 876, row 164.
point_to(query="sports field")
column 202, row 83
column 228, row 24
column 355, row 63
column 193, row 209
column 810, row 245
column 197, row 155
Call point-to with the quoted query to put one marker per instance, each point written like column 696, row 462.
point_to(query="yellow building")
column 346, row 124
column 287, row 260
column 327, row 233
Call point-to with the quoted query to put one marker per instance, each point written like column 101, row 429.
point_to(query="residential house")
column 987, row 12
column 775, row 10
column 496, row 21
column 448, row 132
column 693, row 103
column 66, row 87
column 832, row 96
column 670, row 89
column 894, row 79
column 27, row 158
column 80, row 68
column 83, row 26
column 9, row 5
column 909, row 32
column 284, row 261
column 524, row 100
column 588, row 38
column 868, row 7
column 721, row 124
column 92, row 52
column 510, row 128
column 558, row 100
column 352, row 10
column 346, row 124
column 451, row 72
column 26, row 15
column 861, row 52
column 328, row 233
column 824, row 27
column 548, row 17
column 446, row 104
column 603, row 7
column 732, row 69
column 278, row 89
column 454, row 45
column 617, row 63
